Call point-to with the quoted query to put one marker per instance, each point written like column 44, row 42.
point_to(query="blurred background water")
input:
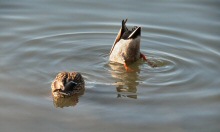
column 39, row 38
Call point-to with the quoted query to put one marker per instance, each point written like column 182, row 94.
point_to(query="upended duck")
column 67, row 84
column 126, row 47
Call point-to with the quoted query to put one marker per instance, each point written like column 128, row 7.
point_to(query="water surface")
column 42, row 37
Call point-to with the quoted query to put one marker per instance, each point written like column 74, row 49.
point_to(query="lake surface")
column 40, row 38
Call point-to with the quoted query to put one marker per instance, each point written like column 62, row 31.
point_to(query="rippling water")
column 42, row 37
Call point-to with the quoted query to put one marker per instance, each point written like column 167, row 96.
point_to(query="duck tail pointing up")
column 123, row 26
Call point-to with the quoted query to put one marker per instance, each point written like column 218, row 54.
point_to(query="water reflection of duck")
column 126, row 48
column 67, row 101
column 126, row 82
column 67, row 84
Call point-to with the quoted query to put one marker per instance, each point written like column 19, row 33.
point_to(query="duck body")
column 127, row 51
column 67, row 84
column 126, row 47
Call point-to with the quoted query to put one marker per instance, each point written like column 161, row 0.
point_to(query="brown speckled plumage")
column 67, row 84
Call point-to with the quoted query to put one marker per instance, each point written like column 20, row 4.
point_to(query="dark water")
column 40, row 38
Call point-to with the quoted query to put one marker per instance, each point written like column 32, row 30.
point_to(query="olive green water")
column 39, row 38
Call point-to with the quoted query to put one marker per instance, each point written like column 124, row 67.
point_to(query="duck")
column 67, row 84
column 126, row 47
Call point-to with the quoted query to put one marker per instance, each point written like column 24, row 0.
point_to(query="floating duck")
column 67, row 84
column 126, row 47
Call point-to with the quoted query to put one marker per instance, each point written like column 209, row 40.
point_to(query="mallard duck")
column 67, row 83
column 126, row 47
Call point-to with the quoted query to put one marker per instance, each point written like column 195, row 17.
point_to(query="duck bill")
column 135, row 33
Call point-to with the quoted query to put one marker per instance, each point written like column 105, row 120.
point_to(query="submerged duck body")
column 67, row 84
column 126, row 47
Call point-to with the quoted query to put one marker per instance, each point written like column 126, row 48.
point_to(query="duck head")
column 67, row 84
